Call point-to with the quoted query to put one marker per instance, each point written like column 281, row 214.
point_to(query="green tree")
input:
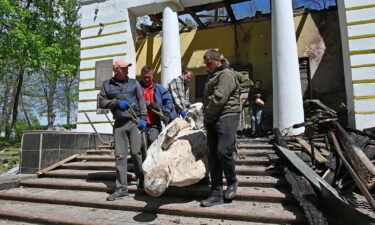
column 39, row 37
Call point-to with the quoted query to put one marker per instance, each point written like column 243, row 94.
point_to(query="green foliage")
column 5, row 143
column 15, row 160
column 69, row 126
column 42, row 38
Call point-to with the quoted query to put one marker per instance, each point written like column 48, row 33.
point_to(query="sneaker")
column 231, row 191
column 212, row 200
column 117, row 194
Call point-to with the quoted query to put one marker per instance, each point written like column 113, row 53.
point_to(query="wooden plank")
column 318, row 157
column 352, row 173
column 40, row 172
column 357, row 158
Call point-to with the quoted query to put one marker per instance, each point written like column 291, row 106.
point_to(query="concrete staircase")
column 75, row 193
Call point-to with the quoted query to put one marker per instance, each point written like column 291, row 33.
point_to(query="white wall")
column 357, row 22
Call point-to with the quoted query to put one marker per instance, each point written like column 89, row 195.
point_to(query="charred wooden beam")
column 156, row 18
column 210, row 6
column 279, row 138
column 182, row 22
column 360, row 132
column 197, row 19
column 230, row 12
column 304, row 193
column 302, row 190
column 352, row 173
column 317, row 156
column 361, row 164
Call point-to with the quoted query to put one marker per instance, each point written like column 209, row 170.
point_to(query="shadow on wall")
column 155, row 64
column 201, row 43
column 328, row 81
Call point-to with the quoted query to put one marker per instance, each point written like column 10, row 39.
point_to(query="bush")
column 69, row 126
column 13, row 161
column 5, row 143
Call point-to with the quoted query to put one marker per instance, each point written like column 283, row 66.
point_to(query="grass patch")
column 15, row 160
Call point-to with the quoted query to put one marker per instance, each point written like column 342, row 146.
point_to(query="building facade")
column 109, row 33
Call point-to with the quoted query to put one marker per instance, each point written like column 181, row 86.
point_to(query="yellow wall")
column 253, row 46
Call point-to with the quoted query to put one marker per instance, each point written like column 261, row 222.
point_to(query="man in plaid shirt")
column 179, row 89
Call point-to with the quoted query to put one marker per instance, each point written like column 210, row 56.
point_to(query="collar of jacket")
column 115, row 81
column 222, row 67
column 144, row 85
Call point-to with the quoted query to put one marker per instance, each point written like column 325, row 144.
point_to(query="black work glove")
column 154, row 106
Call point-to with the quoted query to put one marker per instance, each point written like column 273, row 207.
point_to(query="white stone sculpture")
column 194, row 116
column 176, row 158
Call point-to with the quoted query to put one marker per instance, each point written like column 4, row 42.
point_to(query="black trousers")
column 152, row 132
column 221, row 140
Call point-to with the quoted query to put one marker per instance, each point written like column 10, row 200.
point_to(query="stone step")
column 110, row 174
column 269, row 194
column 252, row 160
column 245, row 151
column 100, row 151
column 96, row 158
column 32, row 212
column 179, row 206
column 244, row 180
column 253, row 140
column 84, row 174
column 98, row 165
column 104, row 146
column 256, row 152
column 89, row 165
column 254, row 146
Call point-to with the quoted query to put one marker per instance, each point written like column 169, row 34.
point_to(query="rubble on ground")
column 343, row 157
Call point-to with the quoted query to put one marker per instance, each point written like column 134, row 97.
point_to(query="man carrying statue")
column 159, row 104
column 221, row 107
column 123, row 96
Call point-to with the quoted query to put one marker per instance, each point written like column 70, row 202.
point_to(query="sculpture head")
column 156, row 181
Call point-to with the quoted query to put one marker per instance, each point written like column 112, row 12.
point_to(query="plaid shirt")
column 180, row 93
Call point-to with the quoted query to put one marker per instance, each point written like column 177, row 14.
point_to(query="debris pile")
column 343, row 157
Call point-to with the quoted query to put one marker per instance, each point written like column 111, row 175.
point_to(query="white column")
column 287, row 97
column 170, row 53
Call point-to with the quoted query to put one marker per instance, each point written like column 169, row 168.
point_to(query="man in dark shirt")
column 257, row 98
column 123, row 96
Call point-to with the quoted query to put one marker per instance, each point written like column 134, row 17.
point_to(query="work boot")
column 212, row 200
column 140, row 183
column 121, row 192
column 231, row 191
